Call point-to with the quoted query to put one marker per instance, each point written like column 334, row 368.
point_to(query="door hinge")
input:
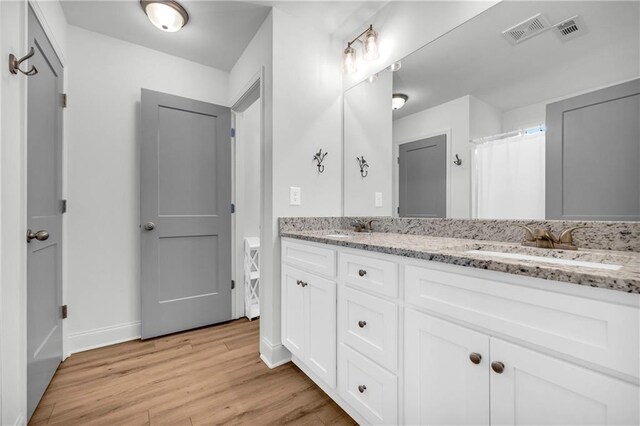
column 63, row 206
column 65, row 311
column 398, row 209
column 65, row 100
column 398, row 160
column 233, row 284
column 233, row 208
column 232, row 132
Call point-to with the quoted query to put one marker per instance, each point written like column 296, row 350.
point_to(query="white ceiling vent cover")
column 570, row 28
column 525, row 30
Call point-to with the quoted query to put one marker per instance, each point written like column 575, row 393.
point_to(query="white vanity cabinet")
column 419, row 342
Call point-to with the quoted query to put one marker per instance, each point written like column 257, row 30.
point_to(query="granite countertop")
column 456, row 251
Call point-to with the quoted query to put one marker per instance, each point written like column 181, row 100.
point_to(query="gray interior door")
column 185, row 199
column 44, row 215
column 423, row 178
column 593, row 153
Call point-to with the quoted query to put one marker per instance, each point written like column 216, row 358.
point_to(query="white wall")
column 484, row 119
column 407, row 26
column 105, row 78
column 452, row 118
column 13, row 39
column 367, row 128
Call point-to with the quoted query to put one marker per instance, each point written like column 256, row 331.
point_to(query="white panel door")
column 536, row 389
column 446, row 373
column 293, row 311
column 321, row 320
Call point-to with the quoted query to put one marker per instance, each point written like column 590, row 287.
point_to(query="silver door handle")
column 149, row 226
column 39, row 235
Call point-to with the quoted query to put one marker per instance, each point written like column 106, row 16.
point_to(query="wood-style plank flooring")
column 207, row 376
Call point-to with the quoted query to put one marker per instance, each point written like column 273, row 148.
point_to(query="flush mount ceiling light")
column 398, row 100
column 395, row 66
column 369, row 40
column 166, row 15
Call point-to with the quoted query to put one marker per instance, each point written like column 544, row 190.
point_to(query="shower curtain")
column 509, row 178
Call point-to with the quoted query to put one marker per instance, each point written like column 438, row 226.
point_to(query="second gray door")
column 185, row 199
column 423, row 178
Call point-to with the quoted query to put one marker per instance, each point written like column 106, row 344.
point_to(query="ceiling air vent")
column 570, row 28
column 525, row 30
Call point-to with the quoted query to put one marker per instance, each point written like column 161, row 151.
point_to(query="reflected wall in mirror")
column 541, row 122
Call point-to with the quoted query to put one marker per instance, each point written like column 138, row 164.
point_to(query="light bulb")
column 370, row 42
column 349, row 60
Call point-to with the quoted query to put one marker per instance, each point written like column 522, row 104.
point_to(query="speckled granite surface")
column 618, row 236
column 455, row 251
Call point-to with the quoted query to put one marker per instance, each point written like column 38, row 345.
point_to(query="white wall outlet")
column 378, row 199
column 294, row 196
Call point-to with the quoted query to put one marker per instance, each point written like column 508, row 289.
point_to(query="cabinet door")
column 442, row 384
column 322, row 333
column 293, row 311
column 542, row 390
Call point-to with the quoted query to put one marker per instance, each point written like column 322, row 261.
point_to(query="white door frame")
column 237, row 219
column 396, row 168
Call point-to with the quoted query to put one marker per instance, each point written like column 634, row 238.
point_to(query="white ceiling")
column 218, row 31
column 475, row 59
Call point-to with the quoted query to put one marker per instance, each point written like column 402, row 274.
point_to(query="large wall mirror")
column 531, row 110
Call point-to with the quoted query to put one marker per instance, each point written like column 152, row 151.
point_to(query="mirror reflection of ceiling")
column 475, row 59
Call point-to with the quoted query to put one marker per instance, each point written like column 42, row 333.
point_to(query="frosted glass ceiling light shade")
column 370, row 43
column 166, row 15
column 349, row 60
column 398, row 100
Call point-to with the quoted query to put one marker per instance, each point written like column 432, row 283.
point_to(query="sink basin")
column 545, row 259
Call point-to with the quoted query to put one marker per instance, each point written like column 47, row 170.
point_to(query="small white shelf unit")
column 251, row 277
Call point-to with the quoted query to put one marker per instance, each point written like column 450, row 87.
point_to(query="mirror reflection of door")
column 423, row 178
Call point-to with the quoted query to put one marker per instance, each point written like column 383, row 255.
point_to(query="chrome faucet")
column 363, row 226
column 543, row 238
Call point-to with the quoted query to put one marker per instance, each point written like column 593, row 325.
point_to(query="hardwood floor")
column 211, row 375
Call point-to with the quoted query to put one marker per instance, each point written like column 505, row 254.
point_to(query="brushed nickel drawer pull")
column 475, row 357
column 362, row 324
column 362, row 272
column 362, row 388
column 498, row 367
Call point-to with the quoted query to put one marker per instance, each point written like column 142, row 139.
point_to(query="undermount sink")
column 553, row 260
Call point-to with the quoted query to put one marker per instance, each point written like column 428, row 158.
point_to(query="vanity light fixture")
column 166, row 15
column 369, row 40
column 398, row 100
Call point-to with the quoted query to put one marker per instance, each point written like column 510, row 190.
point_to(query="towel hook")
column 319, row 157
column 457, row 161
column 363, row 165
column 14, row 63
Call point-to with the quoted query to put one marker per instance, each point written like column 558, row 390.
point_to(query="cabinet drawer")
column 309, row 257
column 369, row 273
column 368, row 388
column 598, row 332
column 369, row 325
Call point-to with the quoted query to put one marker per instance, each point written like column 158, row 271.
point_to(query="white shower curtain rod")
column 520, row 132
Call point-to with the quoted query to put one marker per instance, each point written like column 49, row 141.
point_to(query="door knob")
column 149, row 226
column 362, row 272
column 40, row 235
column 475, row 357
column 498, row 367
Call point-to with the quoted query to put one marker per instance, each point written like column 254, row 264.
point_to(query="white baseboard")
column 21, row 420
column 273, row 355
column 99, row 337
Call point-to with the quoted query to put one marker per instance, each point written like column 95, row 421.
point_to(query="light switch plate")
column 294, row 196
column 378, row 199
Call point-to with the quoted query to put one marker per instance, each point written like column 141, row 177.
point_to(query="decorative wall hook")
column 14, row 64
column 457, row 161
column 363, row 166
column 319, row 157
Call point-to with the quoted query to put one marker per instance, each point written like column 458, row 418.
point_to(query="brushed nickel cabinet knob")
column 497, row 366
column 362, row 388
column 362, row 272
column 475, row 357
column 362, row 324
